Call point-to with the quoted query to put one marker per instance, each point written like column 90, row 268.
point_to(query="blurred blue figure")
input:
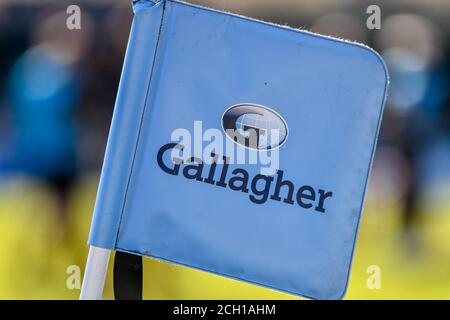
column 416, row 107
column 43, row 93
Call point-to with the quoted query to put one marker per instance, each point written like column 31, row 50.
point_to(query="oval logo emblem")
column 254, row 126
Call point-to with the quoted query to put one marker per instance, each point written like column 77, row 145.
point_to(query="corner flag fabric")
column 240, row 148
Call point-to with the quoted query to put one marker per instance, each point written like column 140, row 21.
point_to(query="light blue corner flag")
column 240, row 148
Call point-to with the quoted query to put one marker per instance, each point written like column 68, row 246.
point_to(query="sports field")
column 35, row 254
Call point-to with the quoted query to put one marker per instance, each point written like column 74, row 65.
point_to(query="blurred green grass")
column 34, row 253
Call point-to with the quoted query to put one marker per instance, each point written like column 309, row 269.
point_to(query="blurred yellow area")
column 35, row 254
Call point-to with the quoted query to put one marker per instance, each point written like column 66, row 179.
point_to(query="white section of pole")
column 95, row 274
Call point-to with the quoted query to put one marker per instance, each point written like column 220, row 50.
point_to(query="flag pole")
column 95, row 273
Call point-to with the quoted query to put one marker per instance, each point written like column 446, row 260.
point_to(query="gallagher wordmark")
column 258, row 186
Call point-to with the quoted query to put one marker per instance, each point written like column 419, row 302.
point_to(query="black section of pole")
column 128, row 275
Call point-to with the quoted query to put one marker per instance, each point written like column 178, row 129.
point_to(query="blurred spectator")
column 412, row 48
column 43, row 91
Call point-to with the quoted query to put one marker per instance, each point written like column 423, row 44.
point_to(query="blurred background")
column 57, row 92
